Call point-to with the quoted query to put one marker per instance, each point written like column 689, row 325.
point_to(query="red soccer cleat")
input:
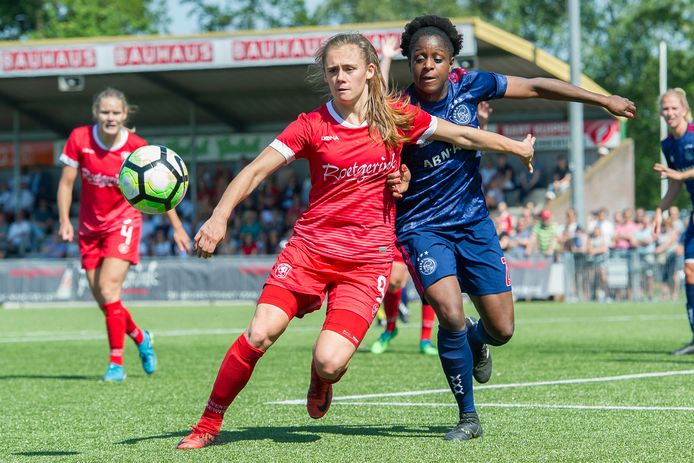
column 319, row 397
column 196, row 440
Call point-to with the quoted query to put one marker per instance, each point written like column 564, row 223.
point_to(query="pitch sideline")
column 353, row 399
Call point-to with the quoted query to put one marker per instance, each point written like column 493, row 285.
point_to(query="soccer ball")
column 153, row 179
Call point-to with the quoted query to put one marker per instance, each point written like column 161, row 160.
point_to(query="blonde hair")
column 110, row 92
column 682, row 95
column 385, row 111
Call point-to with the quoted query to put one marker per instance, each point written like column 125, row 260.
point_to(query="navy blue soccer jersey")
column 679, row 154
column 446, row 187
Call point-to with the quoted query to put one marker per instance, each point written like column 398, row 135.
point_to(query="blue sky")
column 183, row 23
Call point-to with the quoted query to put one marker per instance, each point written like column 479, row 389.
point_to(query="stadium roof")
column 240, row 82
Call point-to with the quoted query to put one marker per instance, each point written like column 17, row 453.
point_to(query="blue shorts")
column 689, row 243
column 471, row 253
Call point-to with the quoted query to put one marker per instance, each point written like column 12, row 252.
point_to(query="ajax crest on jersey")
column 461, row 114
column 153, row 179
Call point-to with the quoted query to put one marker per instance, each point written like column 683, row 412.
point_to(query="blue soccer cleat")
column 147, row 355
column 114, row 374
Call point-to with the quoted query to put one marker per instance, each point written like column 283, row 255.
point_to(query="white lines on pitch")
column 52, row 336
column 498, row 386
column 516, row 405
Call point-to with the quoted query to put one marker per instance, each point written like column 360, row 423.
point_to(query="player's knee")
column 505, row 334
column 501, row 332
column 260, row 337
column 329, row 368
column 109, row 290
column 450, row 316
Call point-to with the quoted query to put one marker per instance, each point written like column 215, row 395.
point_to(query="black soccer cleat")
column 686, row 350
column 468, row 428
column 481, row 357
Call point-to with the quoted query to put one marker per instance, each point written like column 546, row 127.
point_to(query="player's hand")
column 209, row 236
column 527, row 152
column 666, row 172
column 67, row 232
column 182, row 239
column 483, row 113
column 390, row 47
column 399, row 182
column 620, row 106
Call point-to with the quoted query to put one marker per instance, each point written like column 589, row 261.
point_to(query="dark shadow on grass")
column 642, row 352
column 46, row 453
column 659, row 361
column 59, row 377
column 306, row 434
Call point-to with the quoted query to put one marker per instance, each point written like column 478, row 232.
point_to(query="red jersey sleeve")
column 294, row 141
column 71, row 152
column 423, row 125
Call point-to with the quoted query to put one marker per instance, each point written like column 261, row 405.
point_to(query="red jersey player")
column 109, row 228
column 343, row 243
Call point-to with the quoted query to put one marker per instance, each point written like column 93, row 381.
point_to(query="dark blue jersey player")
column 678, row 148
column 447, row 237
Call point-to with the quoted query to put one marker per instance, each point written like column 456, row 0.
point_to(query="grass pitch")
column 578, row 382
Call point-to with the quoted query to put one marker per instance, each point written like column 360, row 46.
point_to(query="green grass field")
column 578, row 382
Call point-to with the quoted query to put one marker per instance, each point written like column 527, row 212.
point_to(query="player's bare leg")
column 495, row 328
column 267, row 325
column 331, row 355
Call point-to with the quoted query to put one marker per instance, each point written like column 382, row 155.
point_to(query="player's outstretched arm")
column 180, row 235
column 213, row 231
column 674, row 186
column 476, row 139
column 67, row 181
column 555, row 89
column 672, row 174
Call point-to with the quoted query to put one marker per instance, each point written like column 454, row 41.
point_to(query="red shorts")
column 346, row 323
column 350, row 286
column 123, row 243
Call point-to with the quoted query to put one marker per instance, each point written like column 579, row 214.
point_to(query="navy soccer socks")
column 456, row 360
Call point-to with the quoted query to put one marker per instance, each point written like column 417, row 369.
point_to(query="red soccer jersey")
column 350, row 215
column 102, row 205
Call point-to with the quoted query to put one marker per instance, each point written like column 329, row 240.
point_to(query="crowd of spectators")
column 259, row 225
column 625, row 238
column 262, row 223
column 502, row 183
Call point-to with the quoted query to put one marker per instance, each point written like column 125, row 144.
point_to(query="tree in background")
column 620, row 38
column 620, row 52
column 41, row 19
column 620, row 49
column 249, row 14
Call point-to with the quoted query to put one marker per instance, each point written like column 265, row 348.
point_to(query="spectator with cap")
column 545, row 237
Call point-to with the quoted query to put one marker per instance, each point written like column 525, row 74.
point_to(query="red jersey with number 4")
column 102, row 205
column 351, row 214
